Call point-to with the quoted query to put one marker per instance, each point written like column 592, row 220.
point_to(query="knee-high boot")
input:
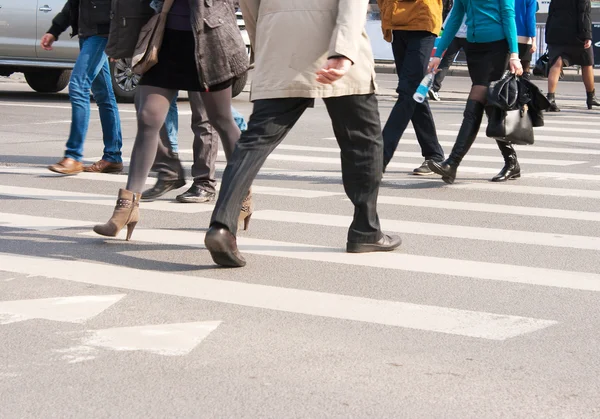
column 511, row 169
column 466, row 136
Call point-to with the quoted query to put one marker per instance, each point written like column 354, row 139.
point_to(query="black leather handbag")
column 512, row 126
column 542, row 66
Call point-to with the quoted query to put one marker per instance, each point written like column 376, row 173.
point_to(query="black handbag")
column 504, row 93
column 510, row 126
column 542, row 66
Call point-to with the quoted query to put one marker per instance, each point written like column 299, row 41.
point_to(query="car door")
column 17, row 29
column 66, row 48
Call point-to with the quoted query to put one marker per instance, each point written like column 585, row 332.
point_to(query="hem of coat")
column 288, row 94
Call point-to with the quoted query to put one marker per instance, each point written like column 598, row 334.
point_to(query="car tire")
column 124, row 80
column 239, row 84
column 48, row 80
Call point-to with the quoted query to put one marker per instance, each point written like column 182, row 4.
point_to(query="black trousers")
column 357, row 128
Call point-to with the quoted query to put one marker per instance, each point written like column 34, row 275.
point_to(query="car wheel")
column 124, row 80
column 48, row 81
column 239, row 84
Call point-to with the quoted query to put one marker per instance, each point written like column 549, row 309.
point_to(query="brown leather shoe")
column 67, row 166
column 103, row 166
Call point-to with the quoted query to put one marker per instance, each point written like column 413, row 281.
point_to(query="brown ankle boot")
column 127, row 213
column 246, row 212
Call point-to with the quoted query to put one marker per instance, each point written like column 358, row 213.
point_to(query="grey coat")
column 220, row 50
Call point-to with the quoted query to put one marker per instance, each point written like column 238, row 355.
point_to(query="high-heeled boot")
column 246, row 212
column 466, row 136
column 127, row 213
column 591, row 99
column 511, row 169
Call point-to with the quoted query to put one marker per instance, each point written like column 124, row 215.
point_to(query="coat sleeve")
column 530, row 24
column 61, row 21
column 250, row 14
column 584, row 20
column 507, row 12
column 348, row 30
column 451, row 27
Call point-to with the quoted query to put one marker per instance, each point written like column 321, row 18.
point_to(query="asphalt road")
column 488, row 310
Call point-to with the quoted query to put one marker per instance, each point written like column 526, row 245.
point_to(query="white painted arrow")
column 67, row 309
column 164, row 339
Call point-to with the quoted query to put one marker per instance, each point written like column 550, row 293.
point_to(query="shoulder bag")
column 150, row 40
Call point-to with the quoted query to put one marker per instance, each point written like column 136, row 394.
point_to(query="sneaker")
column 433, row 95
column 196, row 195
column 423, row 170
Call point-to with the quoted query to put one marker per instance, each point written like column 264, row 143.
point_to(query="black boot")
column 466, row 136
column 511, row 169
column 591, row 99
column 553, row 107
column 162, row 187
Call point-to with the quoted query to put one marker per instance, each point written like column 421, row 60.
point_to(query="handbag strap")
column 167, row 6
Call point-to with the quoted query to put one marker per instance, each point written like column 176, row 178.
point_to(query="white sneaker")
column 433, row 95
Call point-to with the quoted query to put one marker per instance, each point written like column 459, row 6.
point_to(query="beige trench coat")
column 292, row 39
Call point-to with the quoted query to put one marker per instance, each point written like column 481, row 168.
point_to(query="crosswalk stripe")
column 452, row 321
column 565, row 176
column 392, row 260
column 443, row 230
column 570, row 121
column 261, row 190
column 415, row 155
column 558, row 129
column 96, row 199
column 491, row 208
column 539, row 139
column 529, row 190
column 30, row 222
column 535, row 149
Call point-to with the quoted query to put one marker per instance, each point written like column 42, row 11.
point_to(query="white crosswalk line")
column 30, row 222
column 440, row 230
column 558, row 129
column 95, row 199
column 491, row 208
column 528, row 190
column 533, row 149
column 565, row 176
column 452, row 321
column 539, row 139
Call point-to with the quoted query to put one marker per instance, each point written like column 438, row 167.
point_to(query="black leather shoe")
column 196, row 195
column 445, row 169
column 222, row 246
column 384, row 244
column 162, row 187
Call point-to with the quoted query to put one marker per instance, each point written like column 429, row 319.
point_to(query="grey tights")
column 153, row 105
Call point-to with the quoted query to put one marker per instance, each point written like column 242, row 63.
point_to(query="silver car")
column 22, row 25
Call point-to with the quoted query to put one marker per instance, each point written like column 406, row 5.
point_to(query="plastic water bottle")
column 423, row 88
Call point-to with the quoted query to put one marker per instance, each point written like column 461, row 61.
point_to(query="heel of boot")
column 130, row 228
column 247, row 221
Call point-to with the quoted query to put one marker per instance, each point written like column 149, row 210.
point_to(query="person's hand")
column 333, row 70
column 434, row 63
column 47, row 41
column 587, row 44
column 515, row 64
column 533, row 45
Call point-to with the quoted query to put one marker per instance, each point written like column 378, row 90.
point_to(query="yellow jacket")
column 410, row 15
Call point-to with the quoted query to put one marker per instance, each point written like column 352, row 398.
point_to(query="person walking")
column 525, row 15
column 459, row 42
column 569, row 39
column 202, row 51
column 492, row 46
column 90, row 21
column 167, row 164
column 411, row 27
column 319, row 50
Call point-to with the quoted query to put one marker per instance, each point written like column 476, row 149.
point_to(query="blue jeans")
column 412, row 50
column 91, row 72
column 172, row 125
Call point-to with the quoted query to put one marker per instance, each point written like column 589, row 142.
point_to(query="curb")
column 462, row 71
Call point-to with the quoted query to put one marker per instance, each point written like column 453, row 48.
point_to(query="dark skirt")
column 176, row 68
column 525, row 52
column 571, row 55
column 487, row 61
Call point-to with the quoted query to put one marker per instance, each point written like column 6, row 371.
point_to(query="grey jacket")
column 220, row 50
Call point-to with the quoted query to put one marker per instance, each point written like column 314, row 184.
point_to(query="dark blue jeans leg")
column 412, row 50
column 453, row 49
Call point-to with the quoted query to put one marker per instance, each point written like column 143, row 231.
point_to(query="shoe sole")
column 105, row 171
column 64, row 173
column 513, row 177
column 445, row 178
column 221, row 255
column 370, row 248
column 194, row 200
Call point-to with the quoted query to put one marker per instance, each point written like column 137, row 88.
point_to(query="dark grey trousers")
column 205, row 147
column 357, row 128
